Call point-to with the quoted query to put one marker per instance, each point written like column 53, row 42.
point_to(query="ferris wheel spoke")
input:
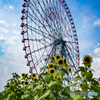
column 44, row 47
column 42, row 16
column 59, row 14
column 39, row 31
column 34, row 18
column 42, row 25
column 73, row 54
column 47, row 15
column 48, row 12
column 38, row 61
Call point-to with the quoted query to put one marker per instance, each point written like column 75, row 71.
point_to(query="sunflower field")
column 49, row 84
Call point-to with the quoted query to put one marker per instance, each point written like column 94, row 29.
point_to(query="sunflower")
column 70, row 70
column 64, row 61
column 23, row 75
column 59, row 78
column 87, row 59
column 53, row 58
column 57, row 56
column 7, row 83
column 50, row 65
column 60, row 62
column 34, row 74
column 17, row 75
column 56, row 76
column 56, row 73
column 26, row 75
column 34, row 79
column 66, row 65
column 26, row 82
column 51, row 71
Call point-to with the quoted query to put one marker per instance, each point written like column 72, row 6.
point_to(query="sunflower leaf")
column 78, row 78
column 46, row 76
column 37, row 87
column 76, row 72
column 42, row 75
column 71, row 84
column 52, row 85
column 24, row 96
column 30, row 86
column 65, row 71
column 65, row 91
column 78, row 97
column 42, row 68
column 60, row 72
column 95, row 88
column 82, row 68
column 36, row 97
column 45, row 95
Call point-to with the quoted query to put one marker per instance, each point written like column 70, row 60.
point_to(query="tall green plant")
column 88, row 84
column 47, row 86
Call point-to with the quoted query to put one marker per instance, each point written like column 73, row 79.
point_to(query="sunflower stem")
column 56, row 93
column 86, row 84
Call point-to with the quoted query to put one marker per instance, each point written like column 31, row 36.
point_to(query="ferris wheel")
column 48, row 29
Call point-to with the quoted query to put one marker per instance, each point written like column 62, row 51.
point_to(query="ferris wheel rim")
column 71, row 22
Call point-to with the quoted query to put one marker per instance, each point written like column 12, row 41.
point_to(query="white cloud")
column 14, row 24
column 12, row 40
column 3, row 30
column 16, row 32
column 9, row 7
column 97, row 22
column 2, row 38
column 3, row 22
column 97, row 50
column 98, row 44
column 96, row 67
column 83, row 26
column 5, row 70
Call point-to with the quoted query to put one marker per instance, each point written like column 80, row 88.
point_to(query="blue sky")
column 86, row 15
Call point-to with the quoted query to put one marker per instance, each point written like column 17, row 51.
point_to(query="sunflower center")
column 26, row 83
column 52, row 71
column 58, row 57
column 51, row 66
column 25, row 75
column 22, row 74
column 55, row 76
column 53, row 58
column 60, row 62
column 33, row 75
column 64, row 60
column 35, row 79
column 87, row 60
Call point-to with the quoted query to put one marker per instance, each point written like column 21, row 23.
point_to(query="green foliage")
column 45, row 94
column 72, row 84
column 42, row 68
column 49, row 87
column 78, row 78
column 88, row 84
column 78, row 97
